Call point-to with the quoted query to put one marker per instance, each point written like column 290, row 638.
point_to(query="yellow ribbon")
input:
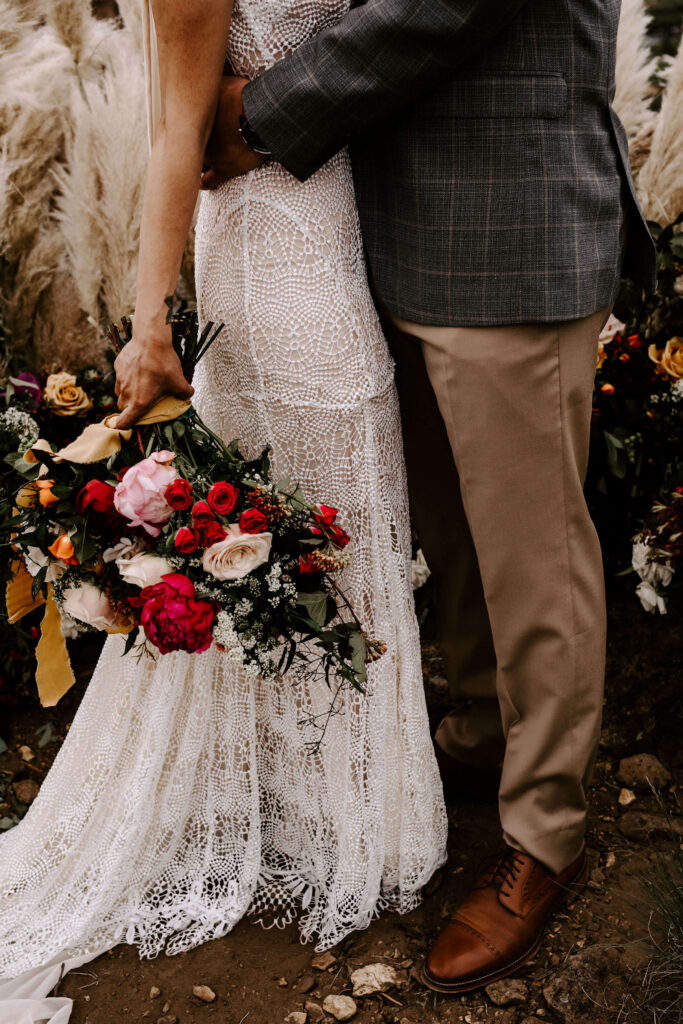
column 54, row 674
column 102, row 440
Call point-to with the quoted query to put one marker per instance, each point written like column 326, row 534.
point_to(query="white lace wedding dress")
column 183, row 796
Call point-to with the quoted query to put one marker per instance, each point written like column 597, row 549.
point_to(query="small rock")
column 641, row 770
column 373, row 978
column 307, row 984
column 283, row 983
column 26, row 754
column 203, row 992
column 169, row 1019
column 154, row 992
column 323, row 961
column 297, row 1017
column 610, row 859
column 166, row 1007
column 638, row 825
column 508, row 992
column 26, row 790
column 626, row 797
column 340, row 1007
column 314, row 1011
column 567, row 992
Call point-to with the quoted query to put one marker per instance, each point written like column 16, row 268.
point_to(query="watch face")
column 251, row 137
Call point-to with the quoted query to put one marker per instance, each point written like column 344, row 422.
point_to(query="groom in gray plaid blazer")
column 498, row 214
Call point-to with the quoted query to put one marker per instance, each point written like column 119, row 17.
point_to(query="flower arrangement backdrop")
column 73, row 151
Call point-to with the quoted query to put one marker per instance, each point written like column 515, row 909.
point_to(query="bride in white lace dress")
column 183, row 796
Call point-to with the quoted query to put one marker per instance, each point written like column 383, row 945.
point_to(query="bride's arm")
column 192, row 41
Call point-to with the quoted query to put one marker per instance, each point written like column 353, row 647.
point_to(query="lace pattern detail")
column 183, row 796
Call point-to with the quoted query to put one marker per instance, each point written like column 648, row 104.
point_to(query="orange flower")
column 63, row 549
column 608, row 389
column 26, row 496
column 602, row 355
column 45, row 495
column 669, row 360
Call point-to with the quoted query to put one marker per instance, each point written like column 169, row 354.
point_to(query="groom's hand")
column 227, row 154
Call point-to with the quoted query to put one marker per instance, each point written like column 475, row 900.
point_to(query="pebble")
column 314, row 1011
column 508, row 992
column 283, row 983
column 167, row 1020
column 297, row 1017
column 26, row 790
column 626, row 797
column 307, row 983
column 203, row 992
column 638, row 825
column 154, row 992
column 340, row 1007
column 323, row 961
column 26, row 754
column 166, row 1007
column 373, row 978
column 641, row 770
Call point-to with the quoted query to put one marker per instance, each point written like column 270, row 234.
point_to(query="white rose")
column 35, row 560
column 650, row 599
column 126, row 548
column 87, row 603
column 143, row 570
column 640, row 559
column 662, row 573
column 420, row 570
column 237, row 555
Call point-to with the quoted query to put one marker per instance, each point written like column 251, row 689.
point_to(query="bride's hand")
column 147, row 370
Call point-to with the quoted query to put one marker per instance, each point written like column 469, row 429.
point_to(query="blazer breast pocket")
column 509, row 94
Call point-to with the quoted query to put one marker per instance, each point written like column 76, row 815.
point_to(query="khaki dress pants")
column 496, row 426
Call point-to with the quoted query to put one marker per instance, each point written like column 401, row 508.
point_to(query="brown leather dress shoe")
column 500, row 924
column 463, row 781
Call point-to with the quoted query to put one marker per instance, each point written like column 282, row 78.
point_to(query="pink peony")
column 140, row 496
column 173, row 618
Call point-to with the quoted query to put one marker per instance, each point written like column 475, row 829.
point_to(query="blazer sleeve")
column 376, row 59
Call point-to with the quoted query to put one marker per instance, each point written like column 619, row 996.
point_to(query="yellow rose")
column 64, row 396
column 602, row 354
column 669, row 360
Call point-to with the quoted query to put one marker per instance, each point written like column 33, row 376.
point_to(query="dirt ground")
column 591, row 965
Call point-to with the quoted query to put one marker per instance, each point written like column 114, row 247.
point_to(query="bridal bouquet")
column 169, row 535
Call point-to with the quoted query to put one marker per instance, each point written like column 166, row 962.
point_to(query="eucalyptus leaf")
column 358, row 654
column 316, row 606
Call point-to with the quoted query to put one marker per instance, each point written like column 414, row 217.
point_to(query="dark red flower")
column 253, row 521
column 306, row 565
column 212, row 534
column 186, row 540
column 96, row 496
column 326, row 516
column 122, row 472
column 223, row 497
column 178, row 494
column 339, row 537
column 202, row 515
column 172, row 617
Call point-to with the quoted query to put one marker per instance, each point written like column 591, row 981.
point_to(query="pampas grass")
column 660, row 182
column 634, row 68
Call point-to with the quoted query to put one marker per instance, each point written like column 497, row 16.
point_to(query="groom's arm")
column 375, row 60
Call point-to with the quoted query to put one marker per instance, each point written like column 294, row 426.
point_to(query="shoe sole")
column 458, row 988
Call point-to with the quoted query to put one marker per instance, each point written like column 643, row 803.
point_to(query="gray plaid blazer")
column 491, row 172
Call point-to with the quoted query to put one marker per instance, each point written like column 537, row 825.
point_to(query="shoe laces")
column 503, row 871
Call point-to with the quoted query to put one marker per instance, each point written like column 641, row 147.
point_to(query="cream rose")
column 64, row 396
column 669, row 360
column 143, row 570
column 237, row 555
column 610, row 330
column 87, row 603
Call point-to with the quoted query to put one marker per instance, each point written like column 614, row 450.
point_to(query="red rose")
column 122, row 472
column 96, row 496
column 186, row 541
column 223, row 497
column 202, row 515
column 326, row 516
column 253, row 521
column 213, row 533
column 172, row 617
column 339, row 537
column 178, row 494
column 306, row 565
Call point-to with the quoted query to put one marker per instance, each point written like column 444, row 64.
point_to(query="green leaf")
column 6, row 823
column 47, row 734
column 616, row 458
column 315, row 604
column 131, row 640
column 3, row 746
column 358, row 653
column 84, row 547
column 38, row 581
